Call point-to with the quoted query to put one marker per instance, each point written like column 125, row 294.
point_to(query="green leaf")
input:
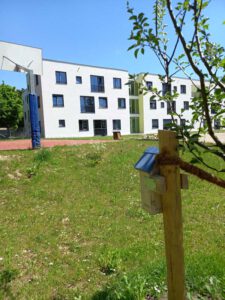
column 136, row 53
column 194, row 161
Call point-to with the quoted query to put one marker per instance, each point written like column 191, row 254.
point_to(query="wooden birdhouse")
column 152, row 184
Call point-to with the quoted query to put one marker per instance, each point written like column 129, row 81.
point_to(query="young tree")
column 11, row 106
column 197, row 57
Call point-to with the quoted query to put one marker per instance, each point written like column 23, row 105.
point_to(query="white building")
column 147, row 115
column 80, row 101
column 84, row 101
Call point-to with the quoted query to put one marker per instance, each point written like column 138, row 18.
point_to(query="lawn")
column 71, row 227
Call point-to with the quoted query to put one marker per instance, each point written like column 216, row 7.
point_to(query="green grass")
column 71, row 227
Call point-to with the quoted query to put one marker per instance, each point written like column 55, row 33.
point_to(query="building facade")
column 80, row 101
column 77, row 100
column 148, row 114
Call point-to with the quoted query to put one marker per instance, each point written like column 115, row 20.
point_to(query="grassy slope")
column 79, row 217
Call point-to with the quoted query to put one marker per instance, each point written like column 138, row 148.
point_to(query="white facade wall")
column 71, row 112
column 161, row 113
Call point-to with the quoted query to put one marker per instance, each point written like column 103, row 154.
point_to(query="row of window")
column 87, row 103
column 171, row 106
column 167, row 88
column 97, row 82
column 84, row 124
column 166, row 122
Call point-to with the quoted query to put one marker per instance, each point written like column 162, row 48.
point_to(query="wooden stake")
column 172, row 218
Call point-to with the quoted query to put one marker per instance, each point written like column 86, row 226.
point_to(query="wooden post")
column 172, row 218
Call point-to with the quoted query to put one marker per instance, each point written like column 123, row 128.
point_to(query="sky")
column 93, row 32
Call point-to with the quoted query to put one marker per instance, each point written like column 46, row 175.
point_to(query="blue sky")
column 91, row 32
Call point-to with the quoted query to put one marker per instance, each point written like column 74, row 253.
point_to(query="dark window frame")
column 183, row 89
column 153, row 104
column 59, row 79
column 166, row 88
column 100, row 98
column 80, row 122
column 171, row 107
column 120, row 100
column 186, row 105
column 182, row 122
column 87, row 111
column 115, row 122
column 149, row 85
column 55, row 104
column 162, row 104
column 117, row 83
column 62, row 123
column 99, row 87
column 153, row 125
column 78, row 79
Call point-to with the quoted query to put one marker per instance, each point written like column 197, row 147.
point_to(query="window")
column 214, row 108
column 182, row 122
column 217, row 124
column 167, row 123
column 36, row 79
column 83, row 125
column 183, row 89
column 78, row 80
column 162, row 104
column 186, row 105
column 117, row 83
column 133, row 88
column 116, row 124
column 62, row 123
column 175, row 89
column 171, row 107
column 121, row 103
column 166, row 88
column 155, row 123
column 87, row 104
column 134, row 106
column 153, row 104
column 103, row 102
column 97, row 84
column 38, row 101
column 149, row 85
column 61, row 77
column 58, row 100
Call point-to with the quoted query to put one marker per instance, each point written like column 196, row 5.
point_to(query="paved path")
column 207, row 138
column 26, row 144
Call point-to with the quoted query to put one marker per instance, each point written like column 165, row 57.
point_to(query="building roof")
column 78, row 64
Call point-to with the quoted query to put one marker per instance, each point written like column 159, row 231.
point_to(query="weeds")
column 42, row 155
column 110, row 262
column 94, row 157
column 107, row 233
column 6, row 277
